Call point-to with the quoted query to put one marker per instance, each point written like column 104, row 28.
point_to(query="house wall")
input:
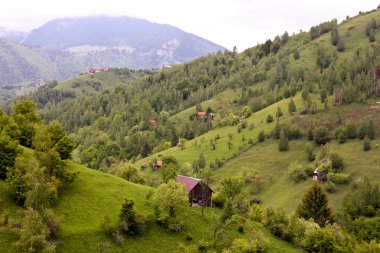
column 199, row 194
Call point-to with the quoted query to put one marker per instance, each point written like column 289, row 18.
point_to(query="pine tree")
column 315, row 205
column 279, row 112
column 283, row 145
column 291, row 106
column 366, row 144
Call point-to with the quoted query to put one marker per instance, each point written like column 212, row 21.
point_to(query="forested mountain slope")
column 262, row 75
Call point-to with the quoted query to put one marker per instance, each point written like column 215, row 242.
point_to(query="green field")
column 279, row 190
column 94, row 194
column 87, row 84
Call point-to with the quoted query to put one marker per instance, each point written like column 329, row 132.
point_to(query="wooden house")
column 158, row 165
column 199, row 193
column 201, row 114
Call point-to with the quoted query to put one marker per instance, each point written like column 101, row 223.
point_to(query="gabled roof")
column 189, row 182
column 201, row 114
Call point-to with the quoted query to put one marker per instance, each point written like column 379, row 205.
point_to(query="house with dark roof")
column 200, row 194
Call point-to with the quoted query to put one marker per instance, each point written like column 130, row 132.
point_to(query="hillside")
column 90, row 84
column 94, row 194
column 64, row 48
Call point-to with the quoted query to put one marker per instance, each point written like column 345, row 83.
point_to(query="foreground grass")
column 94, row 194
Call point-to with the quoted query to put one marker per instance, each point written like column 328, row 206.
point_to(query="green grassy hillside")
column 87, row 84
column 94, row 194
column 279, row 190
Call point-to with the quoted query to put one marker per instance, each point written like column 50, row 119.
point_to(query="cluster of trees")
column 325, row 27
column 34, row 177
column 371, row 30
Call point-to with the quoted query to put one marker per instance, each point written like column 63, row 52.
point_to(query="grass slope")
column 258, row 119
column 84, row 84
column 94, row 194
column 279, row 190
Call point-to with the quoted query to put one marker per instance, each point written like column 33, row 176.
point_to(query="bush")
column 269, row 118
column 107, row 226
column 367, row 144
column 130, row 222
column 276, row 221
column 283, row 145
column 366, row 229
column 256, row 213
column 366, row 129
column 310, row 152
column 6, row 217
column 321, row 135
column 339, row 178
column 261, row 136
column 189, row 237
column 296, row 172
column 350, row 130
column 336, row 162
column 330, row 187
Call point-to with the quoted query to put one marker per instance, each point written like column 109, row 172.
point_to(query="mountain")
column 137, row 43
column 64, row 48
column 14, row 36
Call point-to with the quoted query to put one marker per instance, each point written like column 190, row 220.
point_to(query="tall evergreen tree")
column 315, row 205
column 283, row 145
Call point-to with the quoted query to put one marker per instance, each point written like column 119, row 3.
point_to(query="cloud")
column 227, row 22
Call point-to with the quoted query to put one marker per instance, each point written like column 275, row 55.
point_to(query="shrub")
column 279, row 112
column 130, row 222
column 336, row 162
column 52, row 223
column 269, row 118
column 119, row 238
column 341, row 134
column 366, row 144
column 321, row 135
column 276, row 221
column 256, row 213
column 189, row 237
column 261, row 136
column 350, row 130
column 366, row 129
column 203, row 244
column 296, row 172
column 330, row 187
column 6, row 217
column 310, row 152
column 283, row 144
column 339, row 178
column 366, row 229
column 310, row 133
column 107, row 226
column 296, row 54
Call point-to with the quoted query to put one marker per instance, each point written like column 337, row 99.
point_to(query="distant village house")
column 199, row 193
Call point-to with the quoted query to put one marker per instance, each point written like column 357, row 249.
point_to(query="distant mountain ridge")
column 63, row 48
column 130, row 37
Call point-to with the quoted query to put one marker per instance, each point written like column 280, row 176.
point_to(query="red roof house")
column 158, row 165
column 152, row 122
column 201, row 114
column 199, row 193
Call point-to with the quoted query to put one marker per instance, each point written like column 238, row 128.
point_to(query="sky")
column 229, row 23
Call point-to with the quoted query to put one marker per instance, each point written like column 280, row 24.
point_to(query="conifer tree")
column 315, row 205
column 284, row 143
column 291, row 106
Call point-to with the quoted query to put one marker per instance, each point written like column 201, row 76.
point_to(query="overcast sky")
column 243, row 23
